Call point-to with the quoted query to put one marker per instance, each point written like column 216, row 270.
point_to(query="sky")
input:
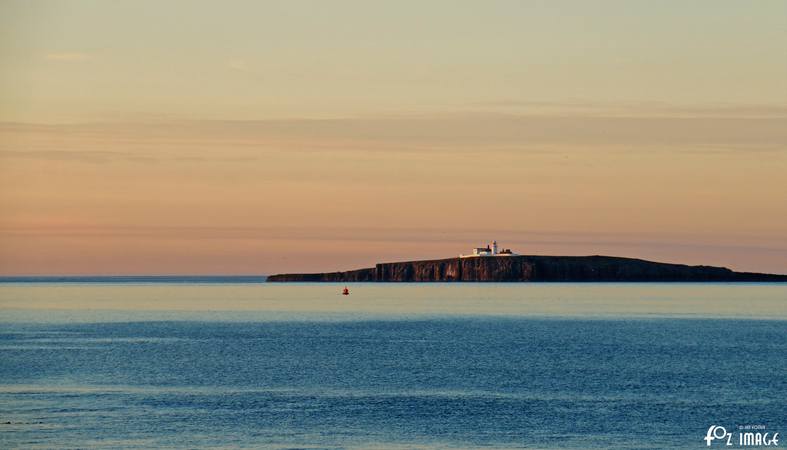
column 259, row 137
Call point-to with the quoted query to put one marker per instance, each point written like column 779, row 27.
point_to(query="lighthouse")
column 489, row 250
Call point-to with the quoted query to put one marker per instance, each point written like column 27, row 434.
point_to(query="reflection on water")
column 323, row 300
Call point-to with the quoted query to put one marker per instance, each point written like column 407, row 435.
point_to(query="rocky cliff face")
column 533, row 268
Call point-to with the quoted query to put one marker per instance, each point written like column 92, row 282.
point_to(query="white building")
column 489, row 250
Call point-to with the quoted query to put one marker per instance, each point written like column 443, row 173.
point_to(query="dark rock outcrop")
column 351, row 275
column 533, row 268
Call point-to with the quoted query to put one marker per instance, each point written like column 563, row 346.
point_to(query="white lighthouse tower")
column 489, row 250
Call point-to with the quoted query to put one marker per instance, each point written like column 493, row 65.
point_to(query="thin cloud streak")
column 521, row 238
column 103, row 157
column 635, row 109
column 68, row 56
column 451, row 133
column 238, row 64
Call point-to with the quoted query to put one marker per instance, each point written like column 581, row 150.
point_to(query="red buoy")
column 345, row 291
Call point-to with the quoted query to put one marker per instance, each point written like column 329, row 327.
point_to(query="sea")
column 226, row 362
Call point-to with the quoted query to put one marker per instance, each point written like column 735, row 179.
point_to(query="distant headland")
column 490, row 264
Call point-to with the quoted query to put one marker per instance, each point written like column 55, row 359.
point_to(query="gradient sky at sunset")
column 196, row 137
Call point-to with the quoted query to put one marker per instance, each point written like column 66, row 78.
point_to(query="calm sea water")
column 234, row 365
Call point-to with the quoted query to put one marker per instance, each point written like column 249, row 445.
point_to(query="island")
column 490, row 265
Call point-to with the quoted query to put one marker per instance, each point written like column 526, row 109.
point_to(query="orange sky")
column 261, row 197
column 372, row 137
